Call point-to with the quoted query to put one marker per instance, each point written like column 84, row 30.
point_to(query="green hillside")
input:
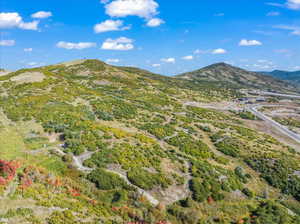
column 234, row 77
column 292, row 77
column 86, row 142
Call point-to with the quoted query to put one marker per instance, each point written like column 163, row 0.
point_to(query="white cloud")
column 168, row 60
column 10, row 20
column 293, row 4
column 113, row 60
column 245, row 42
column 275, row 4
column 104, row 1
column 33, row 63
column 262, row 61
column 29, row 26
column 155, row 22
column 41, row 15
column 273, row 14
column 28, row 49
column 14, row 20
column 156, row 65
column 262, row 66
column 77, row 46
column 219, row 51
column 295, row 30
column 290, row 4
column 110, row 25
column 7, row 43
column 198, row 51
column 120, row 44
column 188, row 57
column 297, row 67
column 123, row 8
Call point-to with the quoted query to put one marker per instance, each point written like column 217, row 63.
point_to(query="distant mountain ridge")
column 293, row 77
column 237, row 78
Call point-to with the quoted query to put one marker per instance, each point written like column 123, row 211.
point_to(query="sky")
column 164, row 36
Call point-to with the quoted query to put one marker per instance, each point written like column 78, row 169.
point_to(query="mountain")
column 292, row 77
column 87, row 142
column 235, row 77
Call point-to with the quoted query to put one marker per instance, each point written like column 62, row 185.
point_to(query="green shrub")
column 271, row 213
column 229, row 146
column 105, row 180
column 248, row 192
column 147, row 180
column 247, row 115
column 278, row 173
column 189, row 145
column 200, row 189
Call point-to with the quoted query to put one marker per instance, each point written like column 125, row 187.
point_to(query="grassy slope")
column 135, row 121
column 235, row 77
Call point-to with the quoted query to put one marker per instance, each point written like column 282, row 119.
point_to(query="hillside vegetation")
column 234, row 77
column 292, row 77
column 86, row 142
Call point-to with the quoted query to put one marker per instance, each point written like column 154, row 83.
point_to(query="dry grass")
column 28, row 77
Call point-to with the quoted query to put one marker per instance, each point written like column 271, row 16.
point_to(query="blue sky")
column 164, row 36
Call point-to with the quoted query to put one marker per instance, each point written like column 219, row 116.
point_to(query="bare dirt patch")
column 264, row 127
column 4, row 73
column 223, row 106
column 102, row 82
column 28, row 77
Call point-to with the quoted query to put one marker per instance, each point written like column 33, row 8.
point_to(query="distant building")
column 261, row 99
column 244, row 99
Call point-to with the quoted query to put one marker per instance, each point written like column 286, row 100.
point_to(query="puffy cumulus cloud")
column 155, row 22
column 188, row 57
column 123, row 8
column 29, row 26
column 28, row 49
column 41, row 15
column 219, row 51
column 76, row 46
column 14, row 20
column 293, row 4
column 7, row 43
column 110, row 25
column 10, row 20
column 245, row 42
column 168, row 60
column 120, row 44
column 113, row 60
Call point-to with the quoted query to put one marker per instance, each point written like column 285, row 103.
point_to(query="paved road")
column 280, row 94
column 281, row 128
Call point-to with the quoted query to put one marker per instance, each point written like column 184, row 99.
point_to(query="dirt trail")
column 78, row 162
column 142, row 192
